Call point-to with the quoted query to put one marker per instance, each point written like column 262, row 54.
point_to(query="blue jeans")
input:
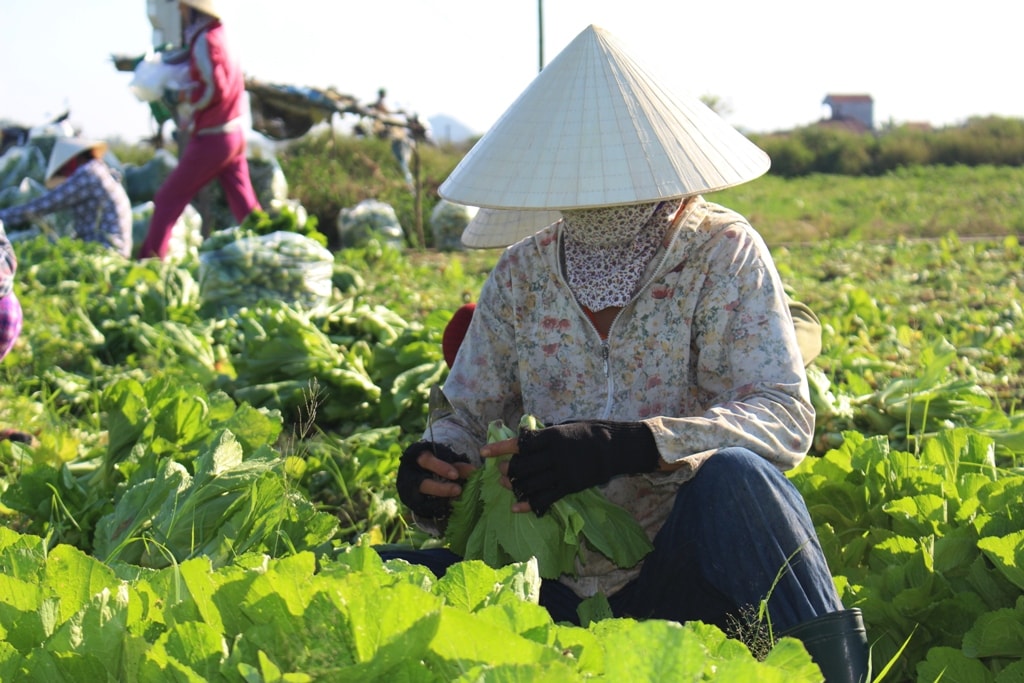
column 739, row 532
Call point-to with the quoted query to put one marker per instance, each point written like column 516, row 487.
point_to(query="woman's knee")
column 733, row 466
column 737, row 478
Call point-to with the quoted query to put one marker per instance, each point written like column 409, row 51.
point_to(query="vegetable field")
column 205, row 485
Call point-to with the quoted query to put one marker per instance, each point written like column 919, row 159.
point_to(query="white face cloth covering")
column 608, row 249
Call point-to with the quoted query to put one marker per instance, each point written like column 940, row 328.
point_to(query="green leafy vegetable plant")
column 66, row 616
column 928, row 544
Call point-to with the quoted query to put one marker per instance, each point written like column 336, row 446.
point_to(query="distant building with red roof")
column 854, row 112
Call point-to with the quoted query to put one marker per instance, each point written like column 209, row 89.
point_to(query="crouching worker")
column 82, row 183
column 650, row 327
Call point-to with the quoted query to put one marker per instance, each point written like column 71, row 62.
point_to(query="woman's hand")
column 548, row 464
column 503, row 448
column 430, row 475
column 446, row 475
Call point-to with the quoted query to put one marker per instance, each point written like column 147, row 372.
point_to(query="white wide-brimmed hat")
column 595, row 128
column 210, row 7
column 491, row 228
column 66, row 149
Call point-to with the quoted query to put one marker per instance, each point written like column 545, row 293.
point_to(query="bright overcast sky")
column 771, row 63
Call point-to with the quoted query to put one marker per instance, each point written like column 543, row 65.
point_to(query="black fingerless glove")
column 411, row 475
column 556, row 461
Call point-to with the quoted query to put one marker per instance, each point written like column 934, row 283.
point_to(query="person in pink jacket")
column 210, row 122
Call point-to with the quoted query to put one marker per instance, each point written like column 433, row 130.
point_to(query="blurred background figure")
column 379, row 105
column 81, row 182
column 210, row 128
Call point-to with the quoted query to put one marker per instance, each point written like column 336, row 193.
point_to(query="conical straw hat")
column 594, row 128
column 210, row 7
column 66, row 149
column 491, row 228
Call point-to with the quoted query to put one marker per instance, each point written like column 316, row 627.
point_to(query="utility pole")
column 540, row 34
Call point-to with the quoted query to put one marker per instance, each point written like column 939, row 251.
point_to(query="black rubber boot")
column 838, row 644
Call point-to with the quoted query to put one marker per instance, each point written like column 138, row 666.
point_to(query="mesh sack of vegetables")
column 186, row 234
column 447, row 221
column 239, row 269
column 24, row 161
column 27, row 190
column 142, row 182
column 370, row 219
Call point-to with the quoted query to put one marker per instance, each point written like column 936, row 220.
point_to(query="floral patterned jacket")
column 98, row 203
column 8, row 263
column 705, row 354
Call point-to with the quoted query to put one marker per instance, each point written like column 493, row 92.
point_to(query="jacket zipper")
column 605, row 354
column 609, row 388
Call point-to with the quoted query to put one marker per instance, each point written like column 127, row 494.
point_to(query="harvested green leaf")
column 484, row 527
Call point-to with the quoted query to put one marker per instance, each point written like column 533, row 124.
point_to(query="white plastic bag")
column 153, row 76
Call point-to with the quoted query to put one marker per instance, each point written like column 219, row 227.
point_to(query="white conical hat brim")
column 594, row 128
column 491, row 228
column 211, row 7
column 65, row 149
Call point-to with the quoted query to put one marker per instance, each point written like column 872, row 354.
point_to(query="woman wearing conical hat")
column 210, row 123
column 81, row 182
column 650, row 327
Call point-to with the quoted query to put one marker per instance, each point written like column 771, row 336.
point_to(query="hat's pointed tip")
column 595, row 128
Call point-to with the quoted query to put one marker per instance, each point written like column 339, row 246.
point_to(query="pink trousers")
column 10, row 322
column 206, row 157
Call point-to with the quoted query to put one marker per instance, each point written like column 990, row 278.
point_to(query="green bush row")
column 980, row 141
column 330, row 171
